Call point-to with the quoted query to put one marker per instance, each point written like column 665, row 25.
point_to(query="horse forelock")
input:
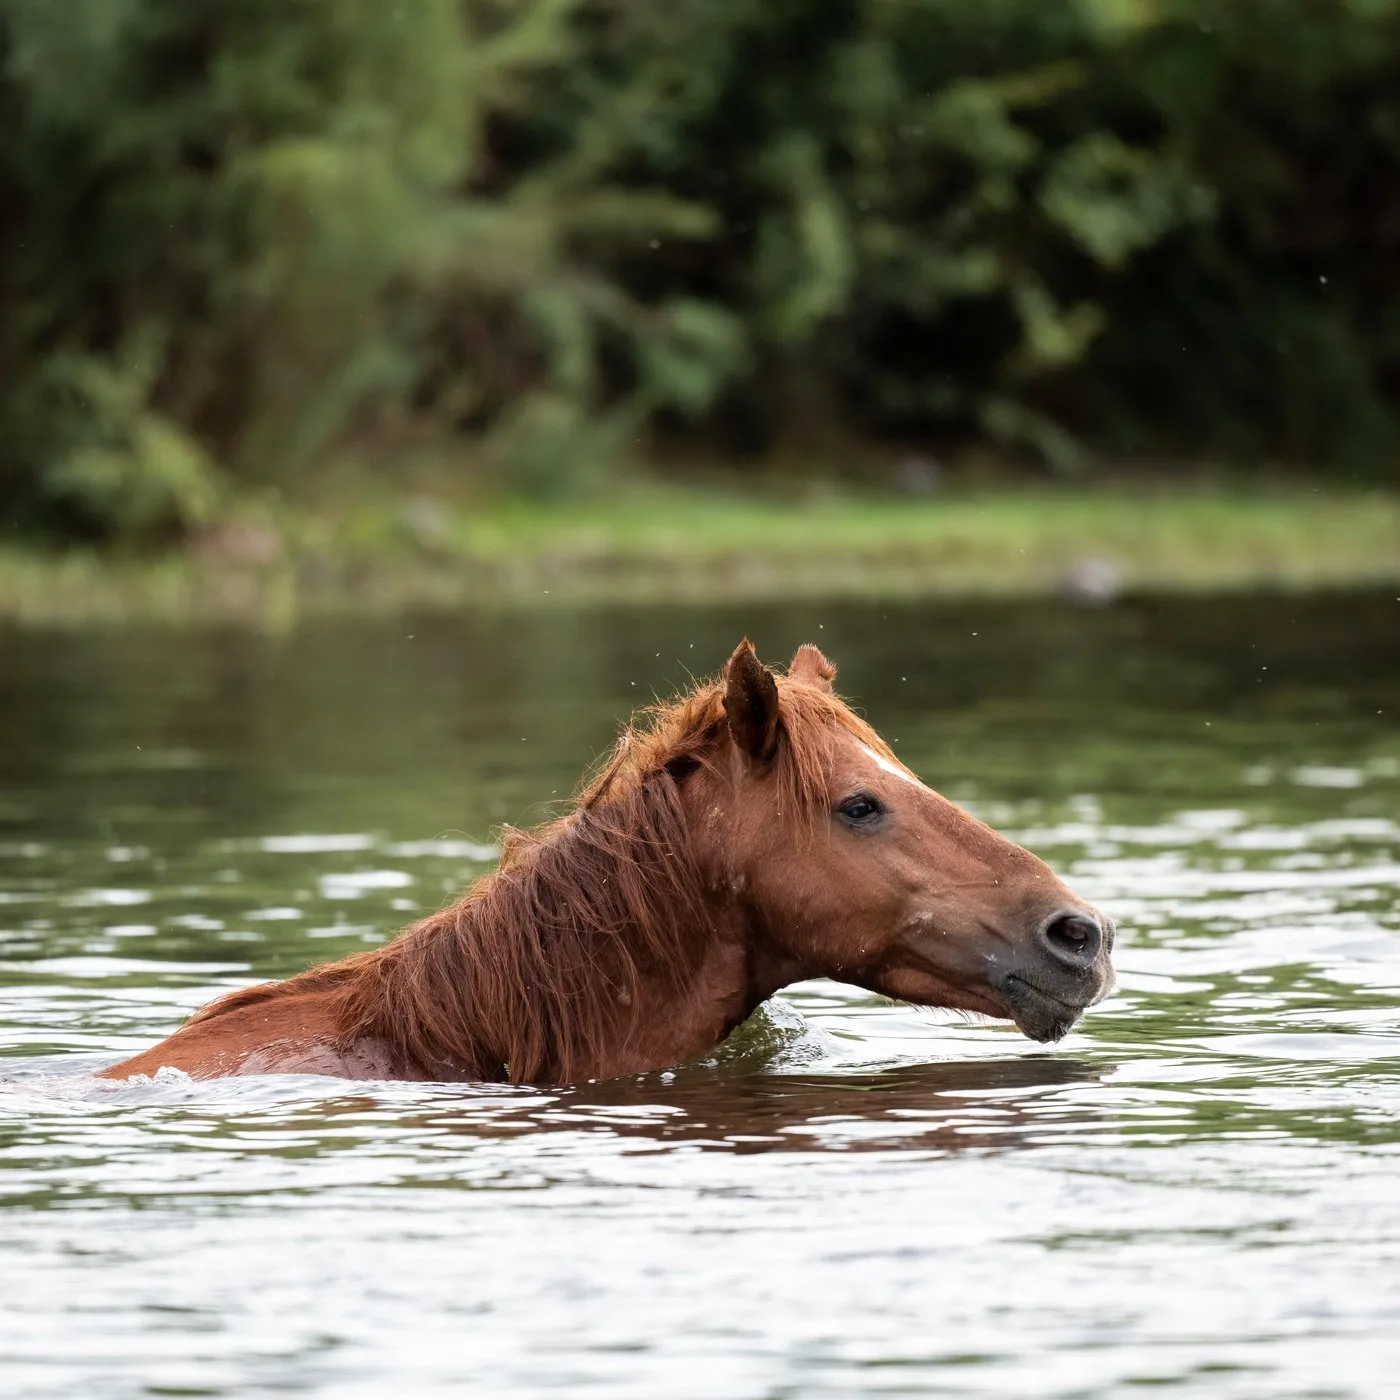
column 534, row 970
column 690, row 731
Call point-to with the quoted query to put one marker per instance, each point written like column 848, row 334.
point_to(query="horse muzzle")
column 1064, row 972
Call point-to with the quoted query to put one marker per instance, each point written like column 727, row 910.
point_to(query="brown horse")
column 752, row 834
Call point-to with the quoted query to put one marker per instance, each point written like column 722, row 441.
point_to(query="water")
column 1199, row 1189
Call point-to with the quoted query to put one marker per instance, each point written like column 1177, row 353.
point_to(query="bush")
column 96, row 462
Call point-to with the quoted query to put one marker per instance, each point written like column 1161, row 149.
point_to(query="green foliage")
column 546, row 227
column 97, row 461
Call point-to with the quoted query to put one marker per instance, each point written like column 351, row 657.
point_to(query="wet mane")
column 535, row 968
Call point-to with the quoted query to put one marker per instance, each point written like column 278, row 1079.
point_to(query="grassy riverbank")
column 678, row 545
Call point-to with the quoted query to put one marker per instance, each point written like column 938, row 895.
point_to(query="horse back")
column 292, row 1033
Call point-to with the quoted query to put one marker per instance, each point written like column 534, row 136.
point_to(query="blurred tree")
column 240, row 236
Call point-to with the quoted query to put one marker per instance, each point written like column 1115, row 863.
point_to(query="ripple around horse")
column 754, row 833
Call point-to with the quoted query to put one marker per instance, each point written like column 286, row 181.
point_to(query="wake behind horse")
column 752, row 834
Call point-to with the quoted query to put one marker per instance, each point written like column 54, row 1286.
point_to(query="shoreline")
column 685, row 546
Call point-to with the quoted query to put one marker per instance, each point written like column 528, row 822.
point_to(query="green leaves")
column 545, row 230
column 99, row 462
column 1115, row 201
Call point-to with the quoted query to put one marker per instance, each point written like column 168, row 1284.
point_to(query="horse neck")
column 609, row 944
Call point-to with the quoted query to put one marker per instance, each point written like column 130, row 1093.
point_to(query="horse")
column 753, row 833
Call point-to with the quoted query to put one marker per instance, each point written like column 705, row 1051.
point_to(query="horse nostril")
column 1073, row 939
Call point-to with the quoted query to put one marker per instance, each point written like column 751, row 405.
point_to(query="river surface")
column 1199, row 1189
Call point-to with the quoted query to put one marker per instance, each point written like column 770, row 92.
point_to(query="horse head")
column 849, row 866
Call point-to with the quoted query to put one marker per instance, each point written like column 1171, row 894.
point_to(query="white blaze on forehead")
column 881, row 761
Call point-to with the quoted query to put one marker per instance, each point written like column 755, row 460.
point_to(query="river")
column 1198, row 1189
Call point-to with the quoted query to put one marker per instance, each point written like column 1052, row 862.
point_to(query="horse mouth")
column 1037, row 1013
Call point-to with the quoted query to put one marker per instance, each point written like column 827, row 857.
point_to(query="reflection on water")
column 1196, row 1188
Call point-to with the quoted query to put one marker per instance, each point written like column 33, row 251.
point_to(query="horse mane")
column 533, row 971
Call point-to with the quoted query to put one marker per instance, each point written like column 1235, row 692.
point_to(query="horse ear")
column 811, row 666
column 751, row 703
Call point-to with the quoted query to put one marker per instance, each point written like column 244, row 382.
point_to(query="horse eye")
column 860, row 808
